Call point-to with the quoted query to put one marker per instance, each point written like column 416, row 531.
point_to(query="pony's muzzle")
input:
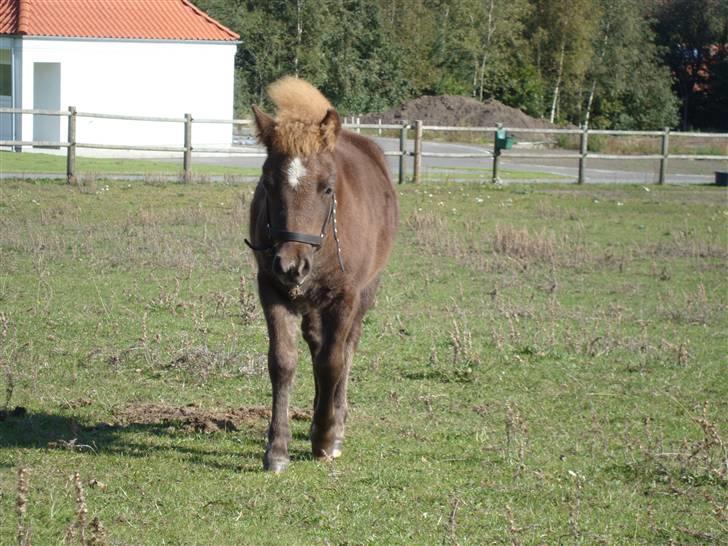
column 291, row 270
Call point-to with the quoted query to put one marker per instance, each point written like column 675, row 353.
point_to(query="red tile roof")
column 8, row 16
column 126, row 19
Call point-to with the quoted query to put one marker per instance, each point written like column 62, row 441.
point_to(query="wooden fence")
column 186, row 149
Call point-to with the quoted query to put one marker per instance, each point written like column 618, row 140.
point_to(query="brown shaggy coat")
column 323, row 221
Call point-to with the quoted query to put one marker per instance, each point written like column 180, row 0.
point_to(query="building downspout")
column 15, row 89
column 13, row 120
column 24, row 9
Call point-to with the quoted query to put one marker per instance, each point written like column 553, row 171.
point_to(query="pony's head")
column 299, row 174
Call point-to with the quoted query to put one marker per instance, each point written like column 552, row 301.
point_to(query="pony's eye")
column 328, row 190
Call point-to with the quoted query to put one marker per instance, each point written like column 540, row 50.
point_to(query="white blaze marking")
column 295, row 172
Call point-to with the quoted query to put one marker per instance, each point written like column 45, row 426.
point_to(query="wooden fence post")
column 379, row 131
column 187, row 157
column 71, row 150
column 496, row 154
column 665, row 150
column 583, row 151
column 417, row 171
column 358, row 125
column 402, row 151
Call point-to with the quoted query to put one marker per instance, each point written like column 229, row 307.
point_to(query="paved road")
column 602, row 171
column 560, row 170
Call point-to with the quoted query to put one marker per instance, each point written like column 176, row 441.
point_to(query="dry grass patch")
column 521, row 244
column 506, row 248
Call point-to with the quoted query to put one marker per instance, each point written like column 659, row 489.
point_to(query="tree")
column 562, row 30
column 695, row 40
column 364, row 70
column 502, row 41
column 627, row 85
column 411, row 26
column 264, row 49
column 593, row 62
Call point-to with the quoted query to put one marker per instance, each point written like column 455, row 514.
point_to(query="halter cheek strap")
column 281, row 236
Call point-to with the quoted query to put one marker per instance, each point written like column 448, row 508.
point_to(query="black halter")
column 277, row 236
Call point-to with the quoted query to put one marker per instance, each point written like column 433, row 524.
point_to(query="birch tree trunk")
column 299, row 34
column 475, row 77
column 589, row 102
column 557, row 87
column 602, row 54
column 490, row 29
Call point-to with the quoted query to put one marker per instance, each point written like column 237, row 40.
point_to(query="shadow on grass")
column 46, row 431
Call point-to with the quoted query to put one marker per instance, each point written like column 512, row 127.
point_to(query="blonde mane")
column 301, row 108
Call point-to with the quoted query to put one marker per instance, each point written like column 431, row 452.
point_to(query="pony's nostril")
column 291, row 272
column 278, row 266
column 304, row 268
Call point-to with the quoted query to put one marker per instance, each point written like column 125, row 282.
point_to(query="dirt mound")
column 194, row 418
column 458, row 111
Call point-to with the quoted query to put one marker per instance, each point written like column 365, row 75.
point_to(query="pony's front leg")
column 330, row 367
column 281, row 319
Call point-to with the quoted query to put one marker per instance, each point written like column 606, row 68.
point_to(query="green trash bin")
column 503, row 140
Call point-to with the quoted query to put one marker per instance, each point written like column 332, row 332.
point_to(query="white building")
column 161, row 58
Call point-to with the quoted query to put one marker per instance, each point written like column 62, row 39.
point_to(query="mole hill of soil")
column 458, row 111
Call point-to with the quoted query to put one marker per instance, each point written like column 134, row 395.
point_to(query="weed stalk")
column 21, row 508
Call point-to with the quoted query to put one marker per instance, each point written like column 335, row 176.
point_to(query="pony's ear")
column 264, row 126
column 330, row 128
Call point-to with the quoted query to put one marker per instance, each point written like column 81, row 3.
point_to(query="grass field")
column 89, row 169
column 545, row 364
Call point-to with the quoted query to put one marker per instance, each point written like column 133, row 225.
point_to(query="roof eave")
column 124, row 39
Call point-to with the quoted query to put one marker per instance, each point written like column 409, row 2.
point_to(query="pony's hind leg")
column 282, row 360
column 330, row 370
column 340, row 398
column 341, row 404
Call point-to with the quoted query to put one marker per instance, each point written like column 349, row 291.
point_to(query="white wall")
column 146, row 78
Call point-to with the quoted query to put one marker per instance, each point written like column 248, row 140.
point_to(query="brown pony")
column 322, row 224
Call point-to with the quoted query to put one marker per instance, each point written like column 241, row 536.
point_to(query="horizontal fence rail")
column 37, row 143
column 132, row 148
column 37, row 112
column 157, row 119
column 403, row 128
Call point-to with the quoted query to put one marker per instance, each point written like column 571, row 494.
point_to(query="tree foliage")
column 694, row 36
column 607, row 63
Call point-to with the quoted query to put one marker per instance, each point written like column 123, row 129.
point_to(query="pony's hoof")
column 276, row 465
column 327, row 455
column 323, row 455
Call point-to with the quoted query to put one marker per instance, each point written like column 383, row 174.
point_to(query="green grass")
column 476, row 174
column 544, row 365
column 22, row 163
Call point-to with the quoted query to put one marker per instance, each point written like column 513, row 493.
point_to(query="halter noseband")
column 278, row 236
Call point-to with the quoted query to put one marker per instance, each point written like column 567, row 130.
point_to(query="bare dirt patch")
column 192, row 418
column 458, row 111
